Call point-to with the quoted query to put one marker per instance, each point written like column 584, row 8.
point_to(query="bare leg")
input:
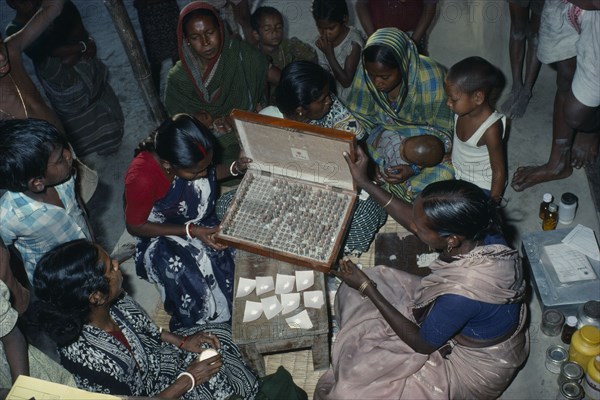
column 559, row 162
column 519, row 17
column 586, row 120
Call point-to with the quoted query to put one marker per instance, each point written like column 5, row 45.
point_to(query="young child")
column 477, row 150
column 40, row 208
column 267, row 29
column 339, row 44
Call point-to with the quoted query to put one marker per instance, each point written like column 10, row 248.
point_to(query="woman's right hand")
column 205, row 369
column 358, row 168
column 207, row 235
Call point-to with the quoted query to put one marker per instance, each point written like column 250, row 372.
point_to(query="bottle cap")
column 571, row 320
column 547, row 197
column 552, row 207
column 568, row 198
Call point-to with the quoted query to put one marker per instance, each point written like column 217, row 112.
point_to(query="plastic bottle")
column 568, row 329
column 546, row 200
column 591, row 382
column 551, row 218
column 585, row 345
column 567, row 208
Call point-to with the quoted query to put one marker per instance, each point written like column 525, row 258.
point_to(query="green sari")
column 235, row 79
column 419, row 109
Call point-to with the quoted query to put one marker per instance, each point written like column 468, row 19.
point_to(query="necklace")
column 12, row 116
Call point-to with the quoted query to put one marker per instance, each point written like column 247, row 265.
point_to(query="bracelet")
column 189, row 376
column 188, row 231
column 231, row 169
column 185, row 338
column 83, row 46
column 364, row 285
column 415, row 168
column 160, row 329
column 389, row 201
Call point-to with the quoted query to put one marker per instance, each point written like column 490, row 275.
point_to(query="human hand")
column 204, row 117
column 350, row 274
column 358, row 167
column 207, row 235
column 205, row 369
column 194, row 343
column 324, row 45
column 397, row 174
column 241, row 165
column 222, row 125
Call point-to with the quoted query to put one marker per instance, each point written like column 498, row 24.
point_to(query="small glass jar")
column 556, row 355
column 570, row 391
column 570, row 372
column 552, row 322
column 551, row 218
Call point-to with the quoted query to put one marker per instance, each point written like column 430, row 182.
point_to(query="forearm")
column 424, row 22
column 399, row 210
column 49, row 10
column 15, row 347
column 154, row 229
column 177, row 389
column 224, row 171
column 338, row 71
column 498, row 184
column 364, row 16
column 402, row 326
column 170, row 337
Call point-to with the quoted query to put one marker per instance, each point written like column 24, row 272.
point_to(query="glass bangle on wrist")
column 83, row 46
column 231, row 169
column 189, row 376
column 363, row 287
column 188, row 231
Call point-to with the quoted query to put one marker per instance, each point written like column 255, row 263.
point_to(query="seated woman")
column 457, row 333
column 215, row 74
column 303, row 95
column 170, row 192
column 111, row 346
column 397, row 94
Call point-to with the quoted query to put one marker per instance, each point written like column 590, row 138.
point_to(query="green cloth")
column 420, row 107
column 291, row 50
column 236, row 80
column 278, row 386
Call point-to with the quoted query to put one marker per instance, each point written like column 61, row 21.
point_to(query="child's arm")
column 48, row 11
column 344, row 75
column 364, row 16
column 492, row 138
column 424, row 22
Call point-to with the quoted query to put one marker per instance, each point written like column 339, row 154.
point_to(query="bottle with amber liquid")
column 546, row 200
column 551, row 218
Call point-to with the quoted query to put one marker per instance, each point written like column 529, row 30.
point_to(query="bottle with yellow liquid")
column 585, row 345
column 591, row 382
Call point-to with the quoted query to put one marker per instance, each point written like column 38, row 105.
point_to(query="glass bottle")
column 568, row 329
column 551, row 218
column 546, row 200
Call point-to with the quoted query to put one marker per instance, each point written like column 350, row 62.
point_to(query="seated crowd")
column 430, row 154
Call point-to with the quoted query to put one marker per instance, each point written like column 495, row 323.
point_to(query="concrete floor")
column 462, row 28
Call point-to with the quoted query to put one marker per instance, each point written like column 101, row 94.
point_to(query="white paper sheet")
column 569, row 264
column 289, row 302
column 583, row 239
column 284, row 283
column 271, row 306
column 313, row 299
column 300, row 321
column 304, row 280
column 264, row 284
column 245, row 287
column 253, row 311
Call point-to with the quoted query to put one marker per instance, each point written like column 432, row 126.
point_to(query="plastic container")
column 551, row 218
column 552, row 322
column 585, row 345
column 546, row 200
column 570, row 372
column 591, row 383
column 556, row 355
column 588, row 313
column 568, row 329
column 567, row 207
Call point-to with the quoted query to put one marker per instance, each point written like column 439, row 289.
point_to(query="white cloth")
column 472, row 162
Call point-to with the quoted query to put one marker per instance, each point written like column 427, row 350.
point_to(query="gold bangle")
column 363, row 286
column 389, row 201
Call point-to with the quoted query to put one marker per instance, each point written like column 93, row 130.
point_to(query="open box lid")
column 296, row 150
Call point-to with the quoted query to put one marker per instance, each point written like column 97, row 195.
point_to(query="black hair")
column 181, row 140
column 476, row 74
column 200, row 12
column 461, row 208
column 25, row 147
column 330, row 10
column 261, row 12
column 301, row 83
column 381, row 54
column 63, row 281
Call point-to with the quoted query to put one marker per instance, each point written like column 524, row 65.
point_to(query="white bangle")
column 191, row 377
column 160, row 329
column 188, row 231
column 231, row 169
column 82, row 43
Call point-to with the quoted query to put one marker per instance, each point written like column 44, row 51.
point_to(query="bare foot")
column 510, row 101
column 518, row 108
column 525, row 177
column 585, row 149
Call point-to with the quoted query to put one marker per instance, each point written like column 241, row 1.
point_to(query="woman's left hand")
column 194, row 343
column 241, row 165
column 207, row 235
column 350, row 274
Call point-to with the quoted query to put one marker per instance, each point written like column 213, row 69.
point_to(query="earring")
column 449, row 248
column 167, row 169
column 300, row 113
column 188, row 43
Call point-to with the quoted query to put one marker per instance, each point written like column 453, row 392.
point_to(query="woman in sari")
column 170, row 192
column 396, row 93
column 111, row 346
column 459, row 332
column 215, row 74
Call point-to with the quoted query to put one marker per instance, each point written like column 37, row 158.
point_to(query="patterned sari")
column 370, row 361
column 419, row 109
column 196, row 280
